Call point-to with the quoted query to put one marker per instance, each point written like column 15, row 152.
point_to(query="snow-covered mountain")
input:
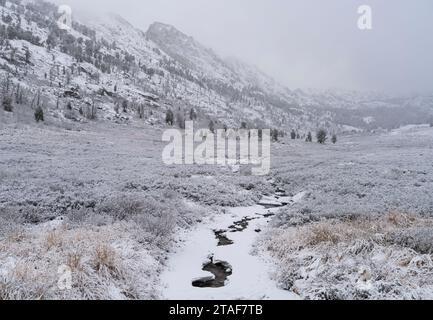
column 111, row 70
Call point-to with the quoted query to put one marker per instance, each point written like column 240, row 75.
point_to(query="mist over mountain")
column 302, row 43
column 105, row 194
column 108, row 61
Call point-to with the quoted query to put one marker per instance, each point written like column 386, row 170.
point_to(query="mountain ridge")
column 110, row 53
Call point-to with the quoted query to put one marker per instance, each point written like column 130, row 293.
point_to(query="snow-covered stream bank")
column 225, row 246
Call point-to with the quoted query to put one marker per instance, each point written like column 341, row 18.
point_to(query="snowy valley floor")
column 364, row 229
column 250, row 270
column 97, row 199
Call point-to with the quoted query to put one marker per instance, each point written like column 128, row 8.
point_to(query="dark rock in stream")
column 241, row 225
column 222, row 238
column 268, row 215
column 221, row 271
column 272, row 206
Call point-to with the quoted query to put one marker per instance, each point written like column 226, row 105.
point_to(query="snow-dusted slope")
column 108, row 61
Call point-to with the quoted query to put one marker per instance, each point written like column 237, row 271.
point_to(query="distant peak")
column 161, row 25
column 159, row 28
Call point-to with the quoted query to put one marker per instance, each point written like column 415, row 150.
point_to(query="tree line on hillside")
column 179, row 119
column 108, row 57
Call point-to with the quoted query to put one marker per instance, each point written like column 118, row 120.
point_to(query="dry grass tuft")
column 399, row 219
column 322, row 233
column 53, row 240
column 74, row 261
column 105, row 258
column 383, row 257
column 17, row 236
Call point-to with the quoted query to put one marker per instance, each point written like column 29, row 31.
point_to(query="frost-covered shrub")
column 169, row 117
column 384, row 257
column 13, row 289
column 106, row 263
column 39, row 114
column 34, row 215
column 123, row 207
column 295, row 218
column 10, row 224
column 334, row 139
column 322, row 136
column 157, row 215
column 365, row 177
column 204, row 189
column 7, row 104
column 159, row 226
column 419, row 239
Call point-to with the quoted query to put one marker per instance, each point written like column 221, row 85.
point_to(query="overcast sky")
column 303, row 43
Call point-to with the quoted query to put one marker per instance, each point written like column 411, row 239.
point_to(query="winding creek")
column 218, row 260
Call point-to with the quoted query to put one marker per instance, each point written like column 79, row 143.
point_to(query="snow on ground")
column 409, row 129
column 251, row 273
column 98, row 198
column 381, row 257
column 252, row 269
column 108, row 183
column 363, row 229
